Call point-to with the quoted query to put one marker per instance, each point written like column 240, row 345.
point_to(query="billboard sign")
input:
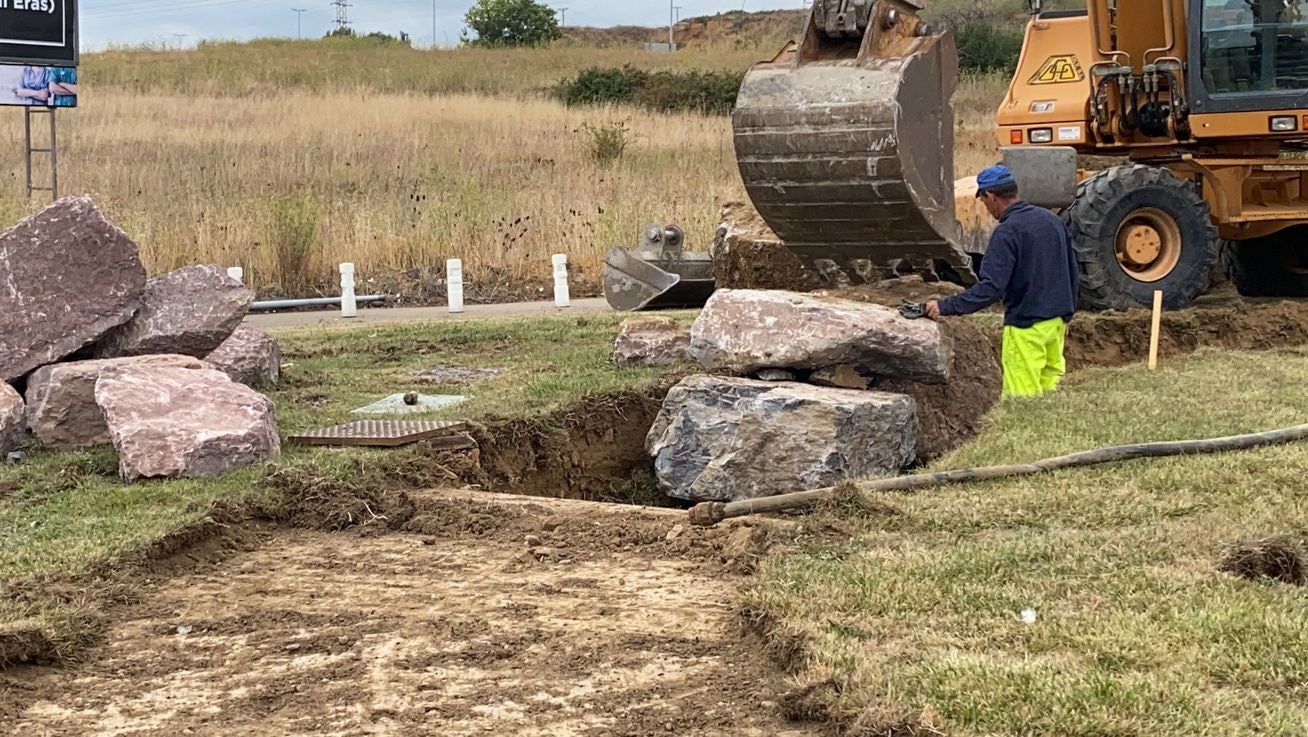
column 38, row 86
column 39, row 32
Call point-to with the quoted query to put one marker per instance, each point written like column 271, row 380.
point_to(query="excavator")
column 1167, row 133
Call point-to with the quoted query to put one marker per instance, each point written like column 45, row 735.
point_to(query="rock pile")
column 854, row 390
column 109, row 357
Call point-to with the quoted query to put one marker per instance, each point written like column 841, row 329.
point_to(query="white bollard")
column 454, row 284
column 349, row 308
column 236, row 273
column 562, row 296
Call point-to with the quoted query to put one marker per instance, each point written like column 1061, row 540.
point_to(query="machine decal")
column 1059, row 69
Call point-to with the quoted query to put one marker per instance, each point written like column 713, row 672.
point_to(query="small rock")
column 843, row 376
column 184, row 629
column 429, row 541
column 15, row 457
column 675, row 533
column 775, row 374
column 541, row 553
column 651, row 341
column 532, row 541
column 12, row 420
column 343, row 640
column 293, row 647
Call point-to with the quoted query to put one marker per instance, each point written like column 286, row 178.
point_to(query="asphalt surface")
column 376, row 315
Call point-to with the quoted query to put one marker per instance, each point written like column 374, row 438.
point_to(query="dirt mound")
column 1274, row 558
column 950, row 414
column 1114, row 339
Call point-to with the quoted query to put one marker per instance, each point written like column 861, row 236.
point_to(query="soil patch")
column 1269, row 558
column 312, row 633
column 951, row 414
column 455, row 375
column 894, row 292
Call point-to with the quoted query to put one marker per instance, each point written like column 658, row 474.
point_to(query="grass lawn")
column 916, row 621
column 62, row 514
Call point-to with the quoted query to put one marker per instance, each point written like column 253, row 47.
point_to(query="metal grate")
column 381, row 433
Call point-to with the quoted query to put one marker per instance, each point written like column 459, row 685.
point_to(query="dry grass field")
column 288, row 158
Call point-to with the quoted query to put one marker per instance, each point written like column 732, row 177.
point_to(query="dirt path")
column 407, row 634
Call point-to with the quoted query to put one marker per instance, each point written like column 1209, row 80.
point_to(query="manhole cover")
column 383, row 433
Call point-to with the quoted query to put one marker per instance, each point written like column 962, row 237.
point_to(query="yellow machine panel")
column 1049, row 92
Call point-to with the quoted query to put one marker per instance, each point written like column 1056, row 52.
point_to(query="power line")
column 299, row 14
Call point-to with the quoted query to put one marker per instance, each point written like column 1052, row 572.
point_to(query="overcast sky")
column 131, row 22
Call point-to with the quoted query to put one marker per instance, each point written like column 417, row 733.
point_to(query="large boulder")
column 61, row 408
column 68, row 276
column 250, row 356
column 11, row 418
column 651, row 341
column 169, row 422
column 727, row 439
column 951, row 414
column 190, row 311
column 741, row 331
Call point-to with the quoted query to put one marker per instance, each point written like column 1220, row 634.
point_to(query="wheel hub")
column 1148, row 245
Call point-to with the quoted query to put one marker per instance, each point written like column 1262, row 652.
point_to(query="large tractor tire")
column 1271, row 266
column 1137, row 229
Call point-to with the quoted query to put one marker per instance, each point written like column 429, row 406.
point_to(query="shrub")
column 694, row 91
column 607, row 143
column 986, row 48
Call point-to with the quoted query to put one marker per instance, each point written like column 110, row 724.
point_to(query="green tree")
column 511, row 23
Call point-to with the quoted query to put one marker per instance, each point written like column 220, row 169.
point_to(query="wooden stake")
column 1153, row 334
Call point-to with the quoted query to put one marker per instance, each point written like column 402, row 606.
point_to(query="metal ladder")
column 52, row 150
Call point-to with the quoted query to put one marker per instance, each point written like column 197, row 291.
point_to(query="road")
column 415, row 314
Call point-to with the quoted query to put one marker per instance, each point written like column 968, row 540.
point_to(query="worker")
column 1030, row 265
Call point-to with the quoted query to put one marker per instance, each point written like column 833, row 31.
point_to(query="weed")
column 607, row 143
column 293, row 233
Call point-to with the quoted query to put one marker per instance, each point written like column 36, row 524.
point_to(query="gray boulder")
column 11, row 418
column 190, row 311
column 61, row 408
column 251, row 357
column 727, row 439
column 169, row 422
column 69, row 276
column 651, row 341
column 740, row 331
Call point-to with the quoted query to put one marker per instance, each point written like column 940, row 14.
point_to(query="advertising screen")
column 42, row 32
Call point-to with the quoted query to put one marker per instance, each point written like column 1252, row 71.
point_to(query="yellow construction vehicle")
column 845, row 140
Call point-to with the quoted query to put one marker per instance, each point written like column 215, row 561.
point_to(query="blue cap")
column 995, row 176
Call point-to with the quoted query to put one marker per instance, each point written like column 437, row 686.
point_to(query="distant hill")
column 772, row 27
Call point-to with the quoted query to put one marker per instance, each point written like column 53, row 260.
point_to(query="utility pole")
column 677, row 17
column 433, row 24
column 342, row 15
column 299, row 13
column 179, row 37
column 672, row 23
column 563, row 17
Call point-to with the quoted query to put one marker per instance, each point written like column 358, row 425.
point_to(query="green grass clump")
column 1138, row 631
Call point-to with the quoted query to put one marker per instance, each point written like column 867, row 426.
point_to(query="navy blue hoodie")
column 1029, row 264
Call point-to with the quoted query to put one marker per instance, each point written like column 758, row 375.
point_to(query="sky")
column 184, row 22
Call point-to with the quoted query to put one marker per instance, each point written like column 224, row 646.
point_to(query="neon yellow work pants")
column 1033, row 358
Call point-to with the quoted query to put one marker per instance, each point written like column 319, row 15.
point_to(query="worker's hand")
column 933, row 309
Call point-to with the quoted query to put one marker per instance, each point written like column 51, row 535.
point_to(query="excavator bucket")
column 845, row 144
column 658, row 275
